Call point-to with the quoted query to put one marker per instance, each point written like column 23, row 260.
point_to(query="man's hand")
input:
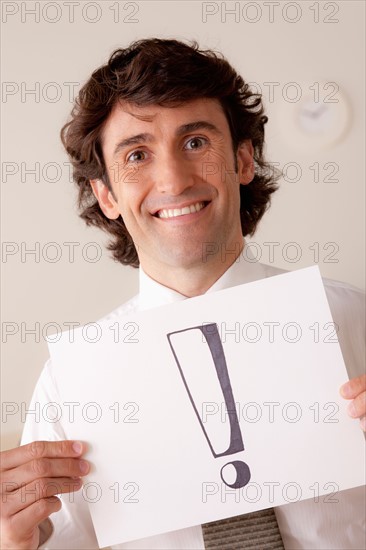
column 30, row 477
column 355, row 389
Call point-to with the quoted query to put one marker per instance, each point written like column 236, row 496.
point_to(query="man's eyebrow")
column 133, row 140
column 197, row 125
column 184, row 129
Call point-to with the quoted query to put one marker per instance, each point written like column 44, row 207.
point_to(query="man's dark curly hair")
column 165, row 73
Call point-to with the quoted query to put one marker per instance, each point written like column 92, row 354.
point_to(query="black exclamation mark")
column 185, row 348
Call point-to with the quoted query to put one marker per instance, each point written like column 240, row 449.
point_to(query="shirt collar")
column 244, row 270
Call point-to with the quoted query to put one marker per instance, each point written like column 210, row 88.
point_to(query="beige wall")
column 36, row 211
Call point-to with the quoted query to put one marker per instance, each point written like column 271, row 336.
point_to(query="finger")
column 42, row 468
column 40, row 449
column 14, row 502
column 363, row 423
column 25, row 521
column 353, row 387
column 357, row 407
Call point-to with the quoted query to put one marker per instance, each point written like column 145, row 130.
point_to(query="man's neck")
column 195, row 280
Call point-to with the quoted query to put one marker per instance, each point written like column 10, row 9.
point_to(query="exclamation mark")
column 194, row 363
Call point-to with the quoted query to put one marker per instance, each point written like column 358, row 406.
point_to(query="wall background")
column 52, row 47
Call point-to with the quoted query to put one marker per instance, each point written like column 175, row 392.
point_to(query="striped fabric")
column 255, row 531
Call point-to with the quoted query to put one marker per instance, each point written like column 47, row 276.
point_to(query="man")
column 166, row 143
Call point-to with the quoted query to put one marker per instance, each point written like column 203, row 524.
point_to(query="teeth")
column 174, row 213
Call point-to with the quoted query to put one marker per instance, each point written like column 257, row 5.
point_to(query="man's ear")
column 104, row 196
column 245, row 160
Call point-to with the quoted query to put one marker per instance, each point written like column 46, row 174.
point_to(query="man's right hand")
column 30, row 477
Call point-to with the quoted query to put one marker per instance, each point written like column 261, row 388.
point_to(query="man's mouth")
column 176, row 212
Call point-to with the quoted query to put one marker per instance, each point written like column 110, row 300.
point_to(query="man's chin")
column 199, row 258
column 188, row 256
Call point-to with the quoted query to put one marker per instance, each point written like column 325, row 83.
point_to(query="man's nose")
column 173, row 176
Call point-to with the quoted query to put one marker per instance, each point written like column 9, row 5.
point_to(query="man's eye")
column 136, row 156
column 195, row 143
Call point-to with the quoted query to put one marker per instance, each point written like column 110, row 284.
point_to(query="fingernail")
column 77, row 447
column 351, row 409
column 345, row 390
column 84, row 466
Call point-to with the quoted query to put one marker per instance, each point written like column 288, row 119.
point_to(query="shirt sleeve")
column 347, row 305
column 72, row 525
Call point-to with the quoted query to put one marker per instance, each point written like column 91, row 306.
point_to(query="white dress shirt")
column 304, row 525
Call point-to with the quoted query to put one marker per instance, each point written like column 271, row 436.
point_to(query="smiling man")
column 183, row 191
column 167, row 143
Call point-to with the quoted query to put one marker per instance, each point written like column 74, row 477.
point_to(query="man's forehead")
column 149, row 113
column 125, row 113
column 146, row 113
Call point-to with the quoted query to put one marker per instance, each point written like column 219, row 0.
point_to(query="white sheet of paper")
column 153, row 466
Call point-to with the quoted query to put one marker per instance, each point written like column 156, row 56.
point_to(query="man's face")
column 173, row 180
